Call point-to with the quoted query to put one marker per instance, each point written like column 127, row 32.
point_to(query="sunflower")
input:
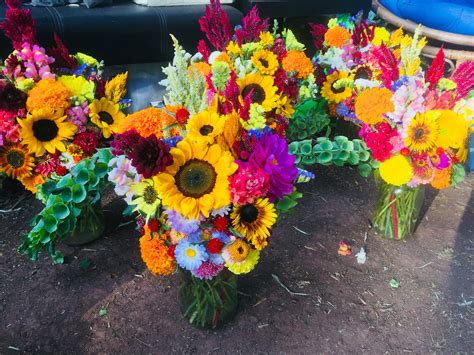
column 205, row 127
column 372, row 104
column 46, row 130
column 262, row 88
column 197, row 182
column 422, row 132
column 147, row 196
column 335, row 94
column 31, row 182
column 254, row 221
column 237, row 251
column 106, row 115
column 265, row 61
column 16, row 161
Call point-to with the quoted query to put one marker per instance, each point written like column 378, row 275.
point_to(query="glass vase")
column 397, row 210
column 90, row 226
column 208, row 303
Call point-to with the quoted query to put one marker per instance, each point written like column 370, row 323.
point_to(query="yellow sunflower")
column 335, row 94
column 106, row 115
column 453, row 130
column 45, row 130
column 147, row 196
column 254, row 221
column 422, row 133
column 205, row 127
column 197, row 182
column 262, row 88
column 265, row 61
column 16, row 161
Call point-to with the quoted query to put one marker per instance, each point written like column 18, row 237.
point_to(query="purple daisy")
column 271, row 155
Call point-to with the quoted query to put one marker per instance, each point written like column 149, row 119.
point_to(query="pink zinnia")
column 208, row 270
column 248, row 184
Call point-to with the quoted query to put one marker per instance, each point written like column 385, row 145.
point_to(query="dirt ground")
column 103, row 300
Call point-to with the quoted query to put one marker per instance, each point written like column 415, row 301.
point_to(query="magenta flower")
column 248, row 184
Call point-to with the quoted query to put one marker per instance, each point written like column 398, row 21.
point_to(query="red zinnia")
column 61, row 170
column 182, row 116
column 170, row 251
column 88, row 141
column 221, row 224
column 214, row 246
column 153, row 225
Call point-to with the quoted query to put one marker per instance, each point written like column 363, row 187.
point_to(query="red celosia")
column 282, row 125
column 88, row 141
column 19, row 25
column 279, row 48
column 216, row 25
column 150, row 156
column 436, row 69
column 363, row 34
column 317, row 32
column 214, row 246
column 221, row 224
column 232, row 92
column 287, row 85
column 463, row 76
column 252, row 25
column 202, row 48
column 245, row 109
column 62, row 58
column 387, row 63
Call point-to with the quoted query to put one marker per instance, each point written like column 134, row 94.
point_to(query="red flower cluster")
column 221, row 224
column 252, row 25
column 214, row 246
column 88, row 141
column 150, row 156
column 379, row 141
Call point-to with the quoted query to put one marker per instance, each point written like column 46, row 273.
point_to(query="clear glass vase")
column 397, row 210
column 208, row 303
column 89, row 227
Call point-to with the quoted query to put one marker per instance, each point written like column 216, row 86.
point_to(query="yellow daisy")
column 197, row 181
column 265, row 61
column 16, row 161
column 335, row 94
column 262, row 88
column 106, row 115
column 254, row 221
column 147, row 196
column 422, row 133
column 205, row 127
column 45, row 130
column 245, row 266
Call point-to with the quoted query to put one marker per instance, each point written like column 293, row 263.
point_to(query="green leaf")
column 50, row 223
column 66, row 194
column 82, row 177
column 60, row 211
column 79, row 193
column 103, row 312
column 394, row 283
column 101, row 170
column 364, row 169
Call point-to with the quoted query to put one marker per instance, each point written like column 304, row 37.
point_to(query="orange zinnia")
column 337, row 36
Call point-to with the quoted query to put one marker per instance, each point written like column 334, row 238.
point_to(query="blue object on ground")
column 470, row 158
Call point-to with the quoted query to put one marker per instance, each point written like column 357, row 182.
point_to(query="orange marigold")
column 442, row 178
column 298, row 61
column 149, row 121
column 337, row 36
column 30, row 182
column 154, row 254
column 371, row 104
column 200, row 67
column 48, row 93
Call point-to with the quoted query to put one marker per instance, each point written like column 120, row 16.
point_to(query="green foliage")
column 66, row 201
column 288, row 202
column 458, row 174
column 310, row 118
column 340, row 151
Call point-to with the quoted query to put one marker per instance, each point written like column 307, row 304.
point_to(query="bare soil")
column 348, row 307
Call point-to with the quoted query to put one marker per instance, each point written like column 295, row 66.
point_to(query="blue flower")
column 173, row 141
column 180, row 223
column 190, row 256
column 222, row 236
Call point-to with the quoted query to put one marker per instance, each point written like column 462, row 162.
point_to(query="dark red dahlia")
column 150, row 156
column 221, row 224
column 88, row 141
column 124, row 143
column 11, row 99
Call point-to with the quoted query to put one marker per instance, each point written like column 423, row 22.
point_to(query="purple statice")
column 271, row 155
column 207, row 270
column 180, row 223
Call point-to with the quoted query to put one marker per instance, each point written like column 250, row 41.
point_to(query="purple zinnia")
column 207, row 270
column 271, row 155
column 150, row 156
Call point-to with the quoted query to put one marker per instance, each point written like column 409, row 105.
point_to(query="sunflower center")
column 15, row 159
column 45, row 130
column 196, row 178
column 258, row 94
column 363, row 73
column 150, row 195
column 419, row 133
column 190, row 253
column 264, row 62
column 337, row 90
column 106, row 117
column 249, row 213
column 206, row 129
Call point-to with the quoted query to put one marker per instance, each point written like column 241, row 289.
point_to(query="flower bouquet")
column 209, row 172
column 414, row 121
column 55, row 108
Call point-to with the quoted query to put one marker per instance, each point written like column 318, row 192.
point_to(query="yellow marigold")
column 201, row 67
column 298, row 61
column 442, row 178
column 48, row 93
column 372, row 103
column 154, row 254
column 337, row 36
column 149, row 121
column 396, row 170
